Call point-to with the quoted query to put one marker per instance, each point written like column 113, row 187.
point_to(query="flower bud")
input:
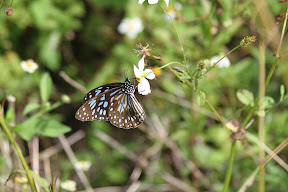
column 9, row 11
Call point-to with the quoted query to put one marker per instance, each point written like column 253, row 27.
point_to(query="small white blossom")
column 142, row 76
column 178, row 6
column 131, row 27
column 153, row 2
column 83, row 165
column 30, row 66
column 225, row 62
column 172, row 10
column 68, row 185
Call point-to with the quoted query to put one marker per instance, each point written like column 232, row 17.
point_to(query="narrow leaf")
column 45, row 87
column 30, row 107
column 10, row 115
column 12, row 176
column 282, row 92
column 40, row 181
column 201, row 98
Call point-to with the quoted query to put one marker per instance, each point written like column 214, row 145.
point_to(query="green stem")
column 20, row 155
column 182, row 49
column 229, row 169
column 54, row 106
column 215, row 64
column 247, row 119
column 166, row 66
column 217, row 114
column 261, row 113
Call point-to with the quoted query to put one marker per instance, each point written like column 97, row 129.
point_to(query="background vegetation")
column 181, row 146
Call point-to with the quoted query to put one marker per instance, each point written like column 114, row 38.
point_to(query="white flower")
column 83, row 165
column 178, row 6
column 131, row 27
column 69, row 185
column 225, row 62
column 30, row 66
column 142, row 76
column 171, row 10
column 153, row 2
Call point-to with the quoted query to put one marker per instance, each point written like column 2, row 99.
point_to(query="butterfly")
column 114, row 102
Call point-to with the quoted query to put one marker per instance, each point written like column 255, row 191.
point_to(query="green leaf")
column 44, row 184
column 282, row 92
column 10, row 115
column 52, row 128
column 268, row 102
column 201, row 98
column 40, row 181
column 12, row 176
column 246, row 97
column 27, row 129
column 45, row 87
column 30, row 107
column 40, row 126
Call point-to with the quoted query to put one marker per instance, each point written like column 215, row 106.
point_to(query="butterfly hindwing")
column 126, row 112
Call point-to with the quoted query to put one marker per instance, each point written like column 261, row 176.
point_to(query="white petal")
column 141, row 1
column 150, row 75
column 137, row 72
column 225, row 62
column 214, row 60
column 144, row 87
column 178, row 6
column 122, row 28
column 131, row 35
column 167, row 2
column 141, row 64
column 23, row 64
column 153, row 1
column 138, row 27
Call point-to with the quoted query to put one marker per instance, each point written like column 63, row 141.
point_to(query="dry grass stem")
column 268, row 150
column 47, row 153
column 177, row 183
column 72, row 158
column 72, row 82
column 116, row 145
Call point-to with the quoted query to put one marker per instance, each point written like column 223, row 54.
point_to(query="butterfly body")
column 113, row 102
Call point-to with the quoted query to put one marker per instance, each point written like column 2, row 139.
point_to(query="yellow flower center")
column 130, row 26
column 29, row 64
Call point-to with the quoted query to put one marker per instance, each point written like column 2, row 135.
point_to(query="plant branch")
column 16, row 147
column 230, row 166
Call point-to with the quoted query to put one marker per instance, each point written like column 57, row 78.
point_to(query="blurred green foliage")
column 81, row 39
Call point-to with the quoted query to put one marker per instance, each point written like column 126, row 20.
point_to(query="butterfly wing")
column 99, row 90
column 126, row 112
column 115, row 102
column 96, row 108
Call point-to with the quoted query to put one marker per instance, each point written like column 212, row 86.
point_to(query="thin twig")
column 184, row 103
column 177, row 153
column 115, row 144
column 177, row 183
column 72, row 82
column 73, row 160
column 2, row 3
column 47, row 153
column 134, row 187
column 271, row 153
